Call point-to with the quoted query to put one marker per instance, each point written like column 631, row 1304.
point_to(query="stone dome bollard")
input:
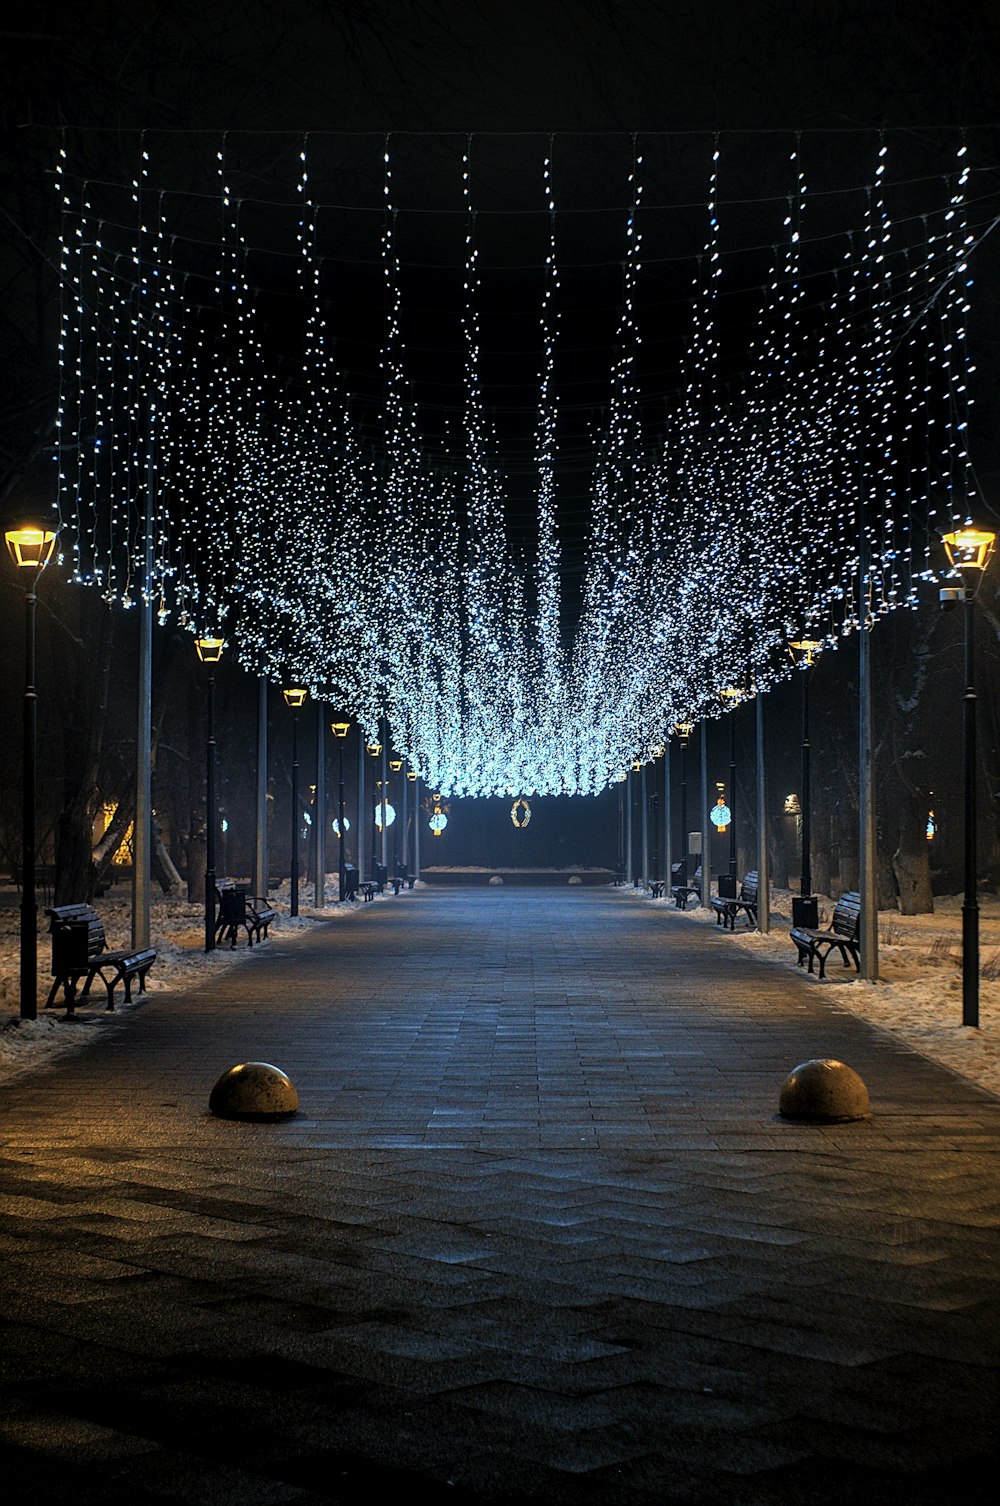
column 823, row 1091
column 496, row 880
column 575, row 879
column 255, row 1091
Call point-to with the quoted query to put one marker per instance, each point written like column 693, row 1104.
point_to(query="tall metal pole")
column 319, row 875
column 405, row 787
column 684, row 809
column 970, row 902
column 210, row 819
column 621, row 827
column 29, row 904
column 805, row 882
column 628, row 828
column 866, row 792
column 260, row 874
column 644, row 796
column 668, row 854
column 385, row 795
column 341, row 816
column 142, row 824
column 360, row 834
column 416, row 828
column 732, row 792
column 706, row 825
column 763, row 872
column 294, row 907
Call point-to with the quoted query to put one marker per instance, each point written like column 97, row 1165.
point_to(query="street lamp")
column 295, row 696
column 209, row 651
column 732, row 698
column 968, row 551
column 340, row 730
column 682, row 732
column 805, row 907
column 30, row 549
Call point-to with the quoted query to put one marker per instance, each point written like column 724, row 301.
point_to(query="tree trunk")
column 83, row 706
column 162, row 864
column 197, row 864
column 113, row 838
column 912, row 864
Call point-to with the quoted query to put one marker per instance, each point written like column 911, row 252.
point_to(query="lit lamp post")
column 209, row 651
column 805, row 907
column 30, row 549
column 374, row 750
column 682, row 732
column 340, row 730
column 732, row 698
column 968, row 551
column 295, row 696
column 395, row 765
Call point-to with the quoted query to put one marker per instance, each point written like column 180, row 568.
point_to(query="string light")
column 345, row 557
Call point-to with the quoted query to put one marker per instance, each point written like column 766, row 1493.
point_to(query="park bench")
column 79, row 951
column 657, row 887
column 237, row 908
column 619, row 877
column 727, row 910
column 844, row 934
column 683, row 891
column 368, row 889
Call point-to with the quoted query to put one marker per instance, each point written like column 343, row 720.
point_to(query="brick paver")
column 537, row 1234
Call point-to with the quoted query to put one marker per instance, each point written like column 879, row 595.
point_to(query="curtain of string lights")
column 343, row 546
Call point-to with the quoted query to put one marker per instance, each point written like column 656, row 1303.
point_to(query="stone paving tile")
column 538, row 1234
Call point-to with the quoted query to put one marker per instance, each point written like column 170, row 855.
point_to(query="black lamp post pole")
column 341, row 859
column 732, row 792
column 210, row 820
column 294, row 907
column 805, row 883
column 970, row 903
column 684, row 809
column 29, row 906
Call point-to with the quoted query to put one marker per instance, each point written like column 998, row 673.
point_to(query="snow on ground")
column 178, row 933
column 919, row 994
column 919, row 997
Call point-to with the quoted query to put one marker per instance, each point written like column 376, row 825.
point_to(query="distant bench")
column 728, row 910
column 236, row 909
column 682, row 892
column 844, row 934
column 79, row 951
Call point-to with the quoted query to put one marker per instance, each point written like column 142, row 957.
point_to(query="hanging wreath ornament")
column 520, row 813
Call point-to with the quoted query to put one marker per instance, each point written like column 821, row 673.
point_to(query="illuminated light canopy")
column 374, row 748
column 340, row 729
column 295, row 696
column 805, row 652
column 358, row 549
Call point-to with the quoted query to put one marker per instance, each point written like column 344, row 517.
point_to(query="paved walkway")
column 537, row 1235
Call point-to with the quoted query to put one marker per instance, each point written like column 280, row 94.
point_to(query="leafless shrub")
column 990, row 969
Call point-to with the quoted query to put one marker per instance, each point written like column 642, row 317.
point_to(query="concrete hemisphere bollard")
column 496, row 880
column 254, row 1091
column 575, row 879
column 823, row 1091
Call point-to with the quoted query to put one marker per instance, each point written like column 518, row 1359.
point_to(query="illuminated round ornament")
column 520, row 813
column 390, row 815
column 438, row 822
column 720, row 814
column 336, row 824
